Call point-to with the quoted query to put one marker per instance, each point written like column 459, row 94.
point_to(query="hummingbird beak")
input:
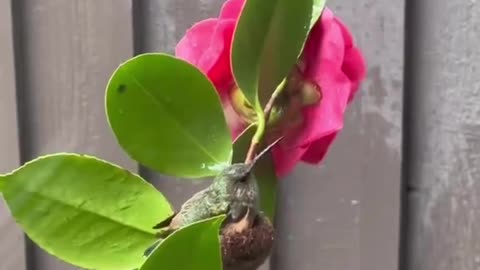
column 266, row 150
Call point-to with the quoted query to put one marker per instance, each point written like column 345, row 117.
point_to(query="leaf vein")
column 176, row 121
column 80, row 209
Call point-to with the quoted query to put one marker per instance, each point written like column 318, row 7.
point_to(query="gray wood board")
column 160, row 24
column 69, row 50
column 12, row 249
column 344, row 214
column 443, row 135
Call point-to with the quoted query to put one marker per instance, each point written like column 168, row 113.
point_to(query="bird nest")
column 247, row 247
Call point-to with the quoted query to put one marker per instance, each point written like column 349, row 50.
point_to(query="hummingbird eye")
column 244, row 179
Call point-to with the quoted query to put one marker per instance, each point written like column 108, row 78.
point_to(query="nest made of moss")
column 249, row 247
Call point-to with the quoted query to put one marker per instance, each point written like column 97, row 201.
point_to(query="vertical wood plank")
column 69, row 50
column 443, row 135
column 160, row 24
column 344, row 214
column 12, row 249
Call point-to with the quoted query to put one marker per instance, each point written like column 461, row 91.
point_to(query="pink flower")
column 330, row 62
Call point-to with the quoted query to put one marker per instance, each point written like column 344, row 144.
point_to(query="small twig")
column 251, row 153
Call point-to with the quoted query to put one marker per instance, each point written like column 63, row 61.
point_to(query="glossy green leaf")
column 317, row 9
column 268, row 40
column 242, row 143
column 267, row 184
column 2, row 184
column 167, row 115
column 194, row 247
column 85, row 211
column 264, row 171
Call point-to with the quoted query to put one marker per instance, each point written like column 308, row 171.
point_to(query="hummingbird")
column 234, row 192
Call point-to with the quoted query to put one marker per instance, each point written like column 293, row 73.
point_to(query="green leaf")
column 167, row 115
column 2, row 183
column 242, row 143
column 193, row 247
column 85, row 211
column 317, row 9
column 264, row 171
column 267, row 184
column 268, row 40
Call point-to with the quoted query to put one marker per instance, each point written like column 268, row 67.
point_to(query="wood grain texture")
column 12, row 249
column 344, row 214
column 160, row 24
column 69, row 50
column 443, row 146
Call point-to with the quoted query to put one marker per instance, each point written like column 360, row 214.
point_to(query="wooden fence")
column 417, row 118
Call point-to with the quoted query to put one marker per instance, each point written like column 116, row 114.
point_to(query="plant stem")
column 271, row 101
column 257, row 137
column 263, row 117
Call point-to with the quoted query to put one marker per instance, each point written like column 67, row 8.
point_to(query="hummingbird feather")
column 233, row 192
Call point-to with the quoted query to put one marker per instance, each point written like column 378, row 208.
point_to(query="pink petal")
column 327, row 118
column 231, row 9
column 347, row 36
column 354, row 68
column 221, row 72
column 354, row 63
column 318, row 149
column 325, row 43
column 286, row 158
column 207, row 45
column 324, row 61
column 197, row 39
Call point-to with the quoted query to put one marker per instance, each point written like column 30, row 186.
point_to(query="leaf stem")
column 263, row 117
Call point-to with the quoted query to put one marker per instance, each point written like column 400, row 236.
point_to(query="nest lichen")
column 246, row 245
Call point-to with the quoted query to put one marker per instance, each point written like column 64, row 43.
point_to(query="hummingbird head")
column 240, row 184
column 236, row 176
column 238, row 181
column 242, row 172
